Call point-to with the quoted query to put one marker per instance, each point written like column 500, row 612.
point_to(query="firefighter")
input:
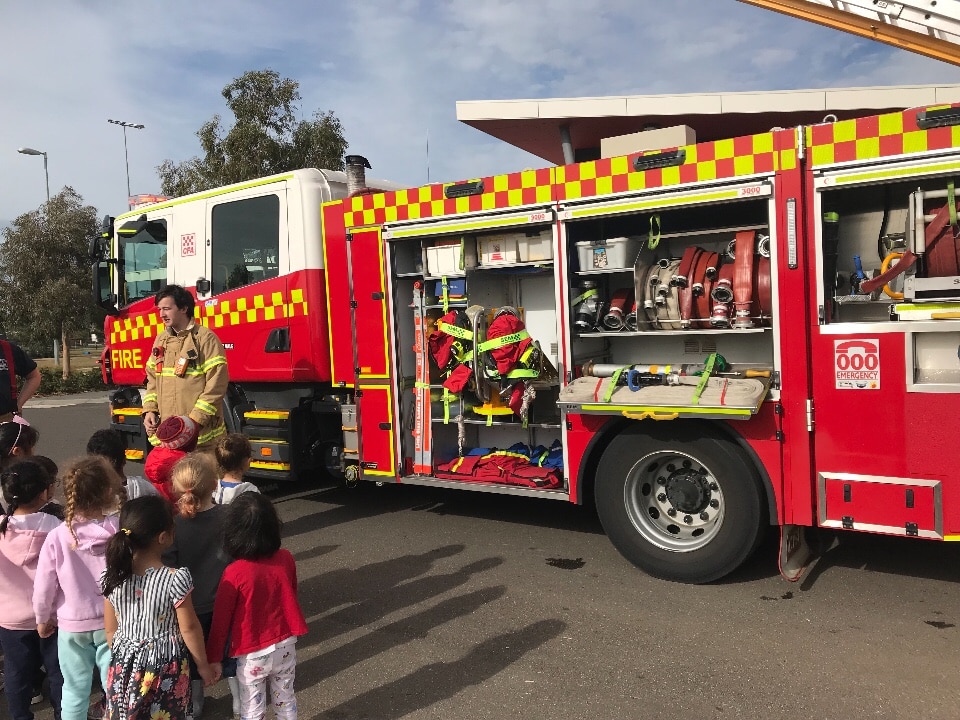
column 186, row 371
column 15, row 362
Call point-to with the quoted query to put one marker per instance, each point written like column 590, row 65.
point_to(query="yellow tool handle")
column 650, row 415
column 756, row 373
column 948, row 315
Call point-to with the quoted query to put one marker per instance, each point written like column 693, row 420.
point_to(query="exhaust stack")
column 356, row 174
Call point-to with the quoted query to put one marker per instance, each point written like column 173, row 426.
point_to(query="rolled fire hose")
column 743, row 278
column 722, row 296
column 685, row 291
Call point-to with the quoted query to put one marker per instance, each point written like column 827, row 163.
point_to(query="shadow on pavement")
column 389, row 636
column 438, row 681
column 369, row 593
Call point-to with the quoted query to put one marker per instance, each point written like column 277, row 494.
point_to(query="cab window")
column 245, row 242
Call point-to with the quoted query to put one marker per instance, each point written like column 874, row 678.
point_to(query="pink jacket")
column 19, row 551
column 67, row 587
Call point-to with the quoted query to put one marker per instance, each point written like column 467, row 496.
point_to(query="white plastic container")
column 618, row 252
column 498, row 249
column 534, row 248
column 445, row 260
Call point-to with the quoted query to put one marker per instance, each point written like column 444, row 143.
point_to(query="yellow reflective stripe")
column 503, row 340
column 213, row 362
column 171, row 372
column 204, row 406
column 153, row 440
column 152, row 362
column 215, row 433
column 150, row 397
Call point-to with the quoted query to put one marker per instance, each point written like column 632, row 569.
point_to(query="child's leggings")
column 278, row 664
column 80, row 653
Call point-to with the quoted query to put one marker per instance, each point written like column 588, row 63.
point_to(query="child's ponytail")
column 194, row 479
column 141, row 520
column 21, row 484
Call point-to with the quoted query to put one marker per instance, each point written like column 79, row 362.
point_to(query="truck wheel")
column 680, row 502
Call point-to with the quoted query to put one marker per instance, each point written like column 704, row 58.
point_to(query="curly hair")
column 89, row 485
column 180, row 296
column 194, row 478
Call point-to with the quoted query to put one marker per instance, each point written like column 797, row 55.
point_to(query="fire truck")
column 704, row 341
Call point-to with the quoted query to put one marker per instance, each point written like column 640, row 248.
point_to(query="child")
column 26, row 487
column 177, row 436
column 196, row 546
column 233, row 453
column 109, row 443
column 17, row 440
column 67, row 589
column 51, row 507
column 257, row 608
column 150, row 621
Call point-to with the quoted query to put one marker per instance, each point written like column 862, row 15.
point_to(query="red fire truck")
column 704, row 341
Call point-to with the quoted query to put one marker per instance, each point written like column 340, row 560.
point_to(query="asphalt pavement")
column 436, row 604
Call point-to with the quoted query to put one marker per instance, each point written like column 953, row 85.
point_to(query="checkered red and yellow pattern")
column 223, row 313
column 527, row 187
column 875, row 137
column 730, row 158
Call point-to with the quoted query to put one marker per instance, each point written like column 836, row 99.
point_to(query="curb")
column 53, row 401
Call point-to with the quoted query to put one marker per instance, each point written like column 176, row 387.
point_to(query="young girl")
column 17, row 440
column 26, row 488
column 67, row 588
column 257, row 608
column 150, row 621
column 234, row 454
column 197, row 547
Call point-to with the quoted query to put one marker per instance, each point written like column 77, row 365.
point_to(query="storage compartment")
column 451, row 257
column 536, row 248
column 498, row 249
column 617, row 252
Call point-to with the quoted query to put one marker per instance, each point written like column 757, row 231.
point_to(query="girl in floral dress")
column 150, row 621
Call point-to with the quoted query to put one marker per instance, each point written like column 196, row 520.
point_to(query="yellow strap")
column 704, row 377
column 580, row 298
column 444, row 290
column 503, row 340
column 653, row 237
column 612, row 387
column 457, row 332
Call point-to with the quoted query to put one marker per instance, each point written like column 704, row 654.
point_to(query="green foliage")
column 266, row 138
column 52, row 381
column 45, row 271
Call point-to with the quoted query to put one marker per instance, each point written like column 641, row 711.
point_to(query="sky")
column 391, row 71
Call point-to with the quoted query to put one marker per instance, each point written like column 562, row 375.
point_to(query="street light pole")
column 126, row 157
column 46, row 174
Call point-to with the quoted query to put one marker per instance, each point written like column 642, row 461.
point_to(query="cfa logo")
column 126, row 358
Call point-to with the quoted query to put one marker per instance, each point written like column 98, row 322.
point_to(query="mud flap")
column 795, row 552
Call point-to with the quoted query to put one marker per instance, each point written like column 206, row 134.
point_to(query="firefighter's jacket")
column 199, row 391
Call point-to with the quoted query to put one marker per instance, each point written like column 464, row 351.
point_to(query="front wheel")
column 679, row 501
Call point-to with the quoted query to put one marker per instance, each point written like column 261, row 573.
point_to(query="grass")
column 80, row 359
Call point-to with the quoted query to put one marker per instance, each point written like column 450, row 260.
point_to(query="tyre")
column 679, row 501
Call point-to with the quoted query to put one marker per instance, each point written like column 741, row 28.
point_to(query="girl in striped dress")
column 150, row 621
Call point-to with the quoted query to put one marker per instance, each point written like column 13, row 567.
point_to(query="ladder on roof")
column 930, row 28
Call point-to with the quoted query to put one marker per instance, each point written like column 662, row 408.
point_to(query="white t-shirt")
column 227, row 490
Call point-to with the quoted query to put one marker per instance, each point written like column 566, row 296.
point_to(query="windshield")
column 142, row 265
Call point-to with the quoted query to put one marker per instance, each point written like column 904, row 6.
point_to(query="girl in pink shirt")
column 26, row 488
column 67, row 592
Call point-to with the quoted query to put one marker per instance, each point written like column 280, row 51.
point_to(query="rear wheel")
column 679, row 501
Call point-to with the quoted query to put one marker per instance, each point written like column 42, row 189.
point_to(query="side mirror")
column 203, row 286
column 100, row 245
column 103, row 295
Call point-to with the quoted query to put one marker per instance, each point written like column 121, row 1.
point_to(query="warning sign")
column 856, row 364
column 188, row 245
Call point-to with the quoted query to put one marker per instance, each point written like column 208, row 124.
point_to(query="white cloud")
column 391, row 71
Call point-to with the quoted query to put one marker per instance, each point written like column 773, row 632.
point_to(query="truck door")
column 246, row 296
column 885, row 384
column 374, row 378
